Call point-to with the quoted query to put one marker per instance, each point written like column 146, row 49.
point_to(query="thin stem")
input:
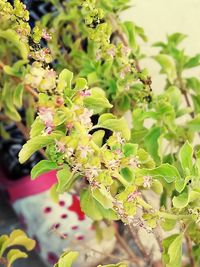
column 126, row 248
column 107, row 255
column 31, row 91
column 138, row 242
column 189, row 248
column 184, row 93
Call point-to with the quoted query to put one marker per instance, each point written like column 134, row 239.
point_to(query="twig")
column 138, row 242
column 189, row 248
column 31, row 91
column 107, row 255
column 184, row 93
column 127, row 249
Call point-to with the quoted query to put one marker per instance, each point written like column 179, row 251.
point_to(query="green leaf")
column 127, row 174
column 192, row 62
column 4, row 240
column 130, row 149
column 194, row 84
column 81, row 84
column 67, row 259
column 185, row 155
column 196, row 103
column 17, row 96
column 11, row 112
column 157, row 187
column 110, row 122
column 18, row 237
column 13, row 37
column 194, row 196
column 93, row 209
column 35, row 144
column 182, row 200
column 152, row 144
column 7, row 99
column 36, row 128
column 98, row 136
column 103, row 197
column 129, row 28
column 175, row 252
column 168, row 172
column 168, row 66
column 168, row 224
column 176, row 38
column 65, row 179
column 89, row 205
column 174, row 95
column 97, row 101
column 64, row 81
column 42, row 167
column 194, row 124
column 13, row 255
column 172, row 250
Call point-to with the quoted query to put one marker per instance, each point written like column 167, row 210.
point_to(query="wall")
column 162, row 17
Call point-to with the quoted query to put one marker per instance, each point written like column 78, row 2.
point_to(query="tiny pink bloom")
column 46, row 115
column 132, row 196
column 111, row 52
column 60, row 147
column 85, row 117
column 125, row 50
column 59, row 101
column 69, row 125
column 85, row 93
column 119, row 138
column 94, row 184
column 46, row 35
column 91, row 171
column 134, row 162
column 85, row 150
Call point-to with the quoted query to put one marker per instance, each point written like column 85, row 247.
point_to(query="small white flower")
column 85, row 117
column 46, row 116
column 119, row 138
column 125, row 50
column 147, row 181
column 91, row 172
column 119, row 153
column 134, row 162
column 111, row 52
column 124, row 71
column 113, row 164
column 85, row 150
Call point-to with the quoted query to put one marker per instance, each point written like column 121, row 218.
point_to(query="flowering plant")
column 80, row 128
